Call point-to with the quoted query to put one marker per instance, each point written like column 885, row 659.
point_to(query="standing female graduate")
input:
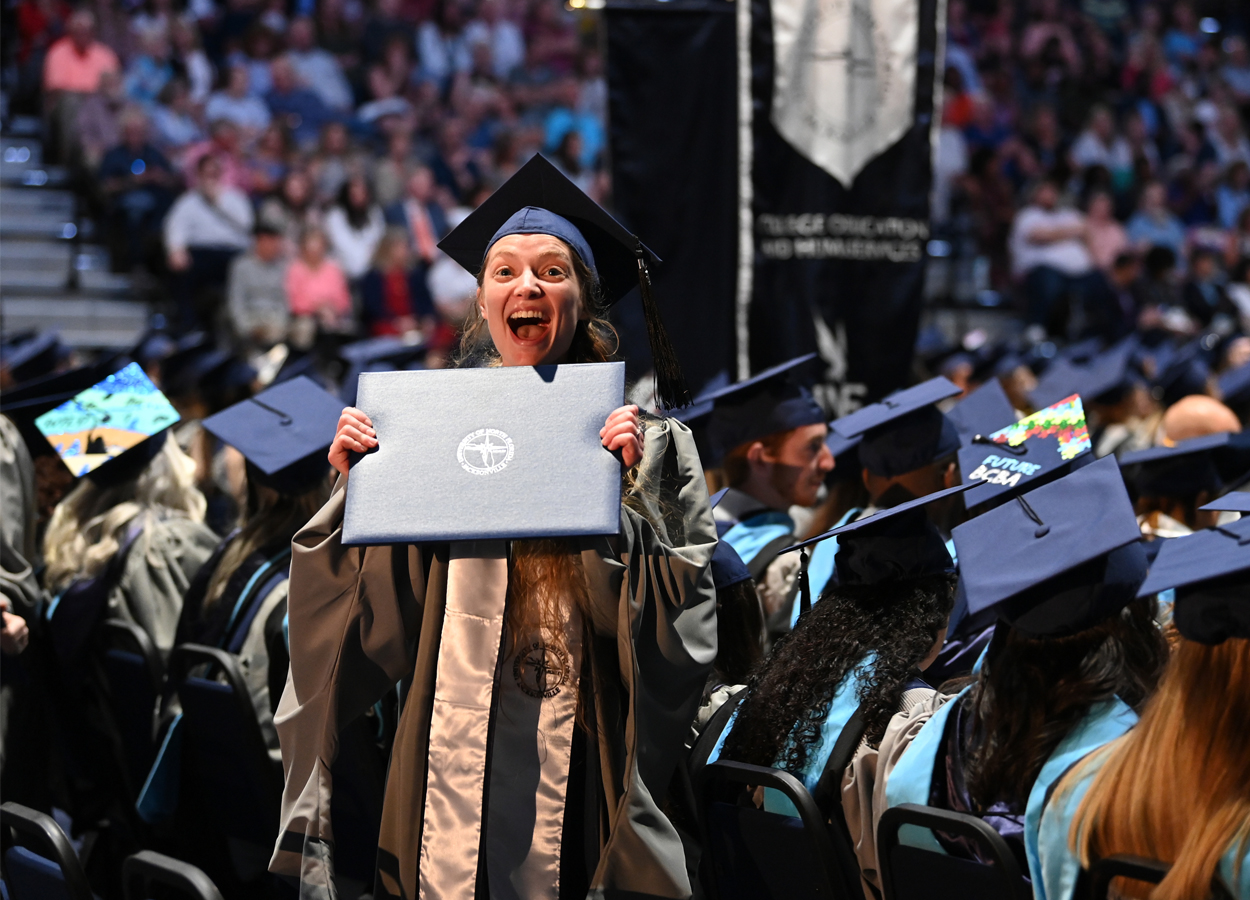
column 532, row 761
column 1197, row 818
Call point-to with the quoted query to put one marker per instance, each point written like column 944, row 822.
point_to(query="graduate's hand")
column 14, row 635
column 355, row 435
column 623, row 431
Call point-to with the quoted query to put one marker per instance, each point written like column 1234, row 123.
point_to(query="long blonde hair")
column 1194, row 732
column 88, row 525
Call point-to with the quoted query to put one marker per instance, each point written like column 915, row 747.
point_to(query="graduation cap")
column 845, row 452
column 905, row 431
column 1182, row 373
column 1187, row 468
column 111, row 430
column 1025, row 454
column 1234, row 501
column 767, row 403
column 32, row 357
column 386, row 353
column 1210, row 571
column 985, row 410
column 26, row 402
column 892, row 544
column 540, row 199
column 1235, row 386
column 1058, row 560
column 728, row 568
column 1100, row 379
column 284, row 433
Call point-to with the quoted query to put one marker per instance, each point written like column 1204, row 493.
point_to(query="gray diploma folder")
column 486, row 454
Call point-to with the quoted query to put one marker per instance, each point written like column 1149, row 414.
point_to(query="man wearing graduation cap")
column 517, row 771
column 1173, row 483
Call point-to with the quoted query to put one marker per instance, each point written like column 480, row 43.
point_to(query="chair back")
column 133, row 670
column 224, row 753
column 147, row 868
column 914, row 873
column 751, row 853
column 39, row 862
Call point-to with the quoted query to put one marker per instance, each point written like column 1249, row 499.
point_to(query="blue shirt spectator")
column 301, row 110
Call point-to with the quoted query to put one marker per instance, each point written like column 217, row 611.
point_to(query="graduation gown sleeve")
column 18, row 550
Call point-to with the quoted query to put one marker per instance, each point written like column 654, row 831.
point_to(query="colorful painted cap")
column 284, row 432
column 1057, row 560
column 1037, row 449
column 905, row 431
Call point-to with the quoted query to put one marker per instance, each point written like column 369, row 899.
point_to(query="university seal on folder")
column 486, row 454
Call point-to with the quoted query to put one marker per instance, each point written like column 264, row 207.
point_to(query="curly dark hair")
column 788, row 697
column 1034, row 691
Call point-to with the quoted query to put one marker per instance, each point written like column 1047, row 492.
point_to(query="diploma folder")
column 486, row 454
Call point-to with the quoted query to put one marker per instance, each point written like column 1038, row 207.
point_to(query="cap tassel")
column 670, row 384
column 805, row 588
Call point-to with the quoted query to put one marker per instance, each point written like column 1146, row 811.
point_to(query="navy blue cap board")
column 892, row 544
column 33, row 357
column 770, row 402
column 984, row 411
column 1210, row 571
column 1234, row 501
column 1184, row 469
column 1098, row 379
column 540, row 199
column 1182, row 373
column 1234, row 386
column 728, row 568
column 905, row 431
column 283, row 432
column 1059, row 559
column 377, row 354
column 1023, row 455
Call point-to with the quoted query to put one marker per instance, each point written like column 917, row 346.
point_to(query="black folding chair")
column 751, row 853
column 224, row 756
column 39, row 862
column 914, row 873
column 146, row 868
column 133, row 670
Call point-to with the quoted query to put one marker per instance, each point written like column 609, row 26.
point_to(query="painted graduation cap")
column 1210, row 571
column 905, row 431
column 1185, row 469
column 1058, row 560
column 1025, row 454
column 1098, row 380
column 111, row 430
column 764, row 404
column 26, row 402
column 985, row 410
column 895, row 543
column 540, row 199
column 284, row 432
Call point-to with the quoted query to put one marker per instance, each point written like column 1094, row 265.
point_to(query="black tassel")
column 805, row 588
column 670, row 384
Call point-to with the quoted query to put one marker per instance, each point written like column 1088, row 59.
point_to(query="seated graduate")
column 739, row 620
column 1173, row 483
column 238, row 599
column 1072, row 658
column 597, row 649
column 854, row 657
column 768, row 435
column 1197, row 818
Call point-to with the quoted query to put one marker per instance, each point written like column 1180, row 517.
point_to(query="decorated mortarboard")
column 1210, row 571
column 1187, row 468
column 770, row 402
column 111, row 430
column 1025, row 454
column 34, row 357
column 985, row 410
column 283, row 432
column 1057, row 560
column 905, row 431
column 540, row 199
column 1234, row 501
column 26, row 402
column 892, row 544
column 1234, row 386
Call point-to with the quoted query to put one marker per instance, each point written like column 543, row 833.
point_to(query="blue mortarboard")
column 1058, row 560
column 1210, row 571
column 728, row 568
column 34, row 357
column 984, row 411
column 377, row 354
column 540, row 199
column 1025, row 454
column 895, row 543
column 845, row 453
column 905, row 431
column 1235, row 386
column 284, row 432
column 1098, row 380
column 763, row 404
column 1182, row 373
column 1234, row 501
column 1189, row 467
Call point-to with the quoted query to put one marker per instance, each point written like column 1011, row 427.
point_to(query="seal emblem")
column 485, row 451
column 541, row 670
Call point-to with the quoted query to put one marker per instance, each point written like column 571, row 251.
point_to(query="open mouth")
column 529, row 324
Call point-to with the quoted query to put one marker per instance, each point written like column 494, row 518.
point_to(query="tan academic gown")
column 362, row 618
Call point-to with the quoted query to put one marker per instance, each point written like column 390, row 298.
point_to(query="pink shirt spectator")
column 318, row 291
column 65, row 69
column 234, row 171
column 1106, row 241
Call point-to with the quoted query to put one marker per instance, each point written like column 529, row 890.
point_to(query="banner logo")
column 844, row 77
column 485, row 451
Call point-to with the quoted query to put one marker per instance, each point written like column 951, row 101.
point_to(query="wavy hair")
column 89, row 524
column 1195, row 730
column 787, row 700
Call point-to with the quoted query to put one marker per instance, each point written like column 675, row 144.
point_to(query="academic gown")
column 363, row 618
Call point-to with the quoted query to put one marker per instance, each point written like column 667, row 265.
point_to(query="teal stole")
column 752, row 535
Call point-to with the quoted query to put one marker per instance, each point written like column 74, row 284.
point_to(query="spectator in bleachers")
column 1104, row 235
column 316, row 67
column 1237, row 244
column 257, row 308
column 237, row 104
column 1233, row 194
column 1227, row 138
column 71, row 71
column 149, row 70
column 501, row 35
column 317, row 292
column 174, row 121
column 392, row 171
column 422, row 215
column 1093, row 146
column 260, row 45
column 268, row 162
column 1236, row 71
column 223, row 144
column 442, row 45
column 190, row 60
column 98, row 124
column 1154, row 225
column 138, row 185
column 355, row 226
column 292, row 208
column 1049, row 254
column 302, row 111
column 395, row 299
column 333, row 163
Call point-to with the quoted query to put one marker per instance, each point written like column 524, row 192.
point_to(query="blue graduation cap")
column 32, row 357
column 378, row 354
column 905, row 431
column 984, row 411
column 1058, row 560
column 1187, row 468
column 1210, row 571
column 892, row 544
column 1234, row 386
column 284, row 432
column 728, row 568
column 1098, row 380
column 1025, row 454
column 1182, row 373
column 1234, row 501
column 767, row 403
